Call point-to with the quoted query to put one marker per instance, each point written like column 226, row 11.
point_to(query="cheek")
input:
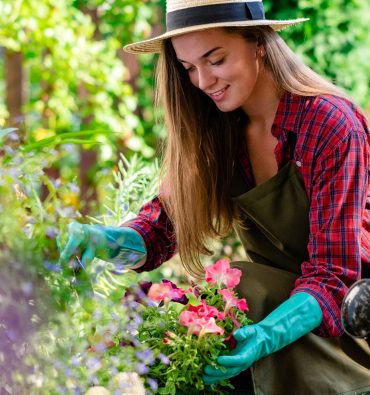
column 249, row 74
column 193, row 77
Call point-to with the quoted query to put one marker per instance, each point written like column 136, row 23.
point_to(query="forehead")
column 197, row 43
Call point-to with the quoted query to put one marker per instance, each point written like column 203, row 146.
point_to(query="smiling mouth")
column 218, row 93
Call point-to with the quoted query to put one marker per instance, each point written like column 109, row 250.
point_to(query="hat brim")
column 153, row 45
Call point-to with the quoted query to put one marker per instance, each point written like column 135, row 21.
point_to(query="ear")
column 261, row 50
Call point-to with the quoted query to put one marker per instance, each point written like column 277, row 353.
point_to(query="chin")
column 227, row 108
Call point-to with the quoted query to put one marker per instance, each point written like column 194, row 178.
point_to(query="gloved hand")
column 297, row 316
column 122, row 246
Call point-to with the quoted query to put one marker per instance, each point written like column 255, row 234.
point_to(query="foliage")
column 334, row 42
column 76, row 79
column 40, row 301
column 71, row 361
column 28, row 228
column 77, row 83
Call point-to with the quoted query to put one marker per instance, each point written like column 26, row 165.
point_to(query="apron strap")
column 238, row 184
column 292, row 141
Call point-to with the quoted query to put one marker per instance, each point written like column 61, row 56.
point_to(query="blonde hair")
column 203, row 142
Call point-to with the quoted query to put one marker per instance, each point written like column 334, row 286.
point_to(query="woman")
column 258, row 141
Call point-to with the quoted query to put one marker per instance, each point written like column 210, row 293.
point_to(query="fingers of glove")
column 211, row 371
column 59, row 245
column 210, row 379
column 88, row 255
column 242, row 357
column 244, row 333
column 76, row 239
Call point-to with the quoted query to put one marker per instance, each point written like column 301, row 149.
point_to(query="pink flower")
column 206, row 311
column 221, row 273
column 199, row 325
column 210, row 326
column 187, row 317
column 231, row 301
column 165, row 292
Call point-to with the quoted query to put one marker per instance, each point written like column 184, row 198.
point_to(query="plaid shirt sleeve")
column 156, row 229
column 335, row 165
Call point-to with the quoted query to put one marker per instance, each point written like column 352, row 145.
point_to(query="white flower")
column 97, row 391
column 127, row 384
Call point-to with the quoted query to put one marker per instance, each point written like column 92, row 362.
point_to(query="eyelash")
column 218, row 63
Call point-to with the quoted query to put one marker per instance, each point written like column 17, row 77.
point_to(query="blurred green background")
column 79, row 140
column 66, row 84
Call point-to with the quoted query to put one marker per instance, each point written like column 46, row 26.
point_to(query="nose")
column 205, row 79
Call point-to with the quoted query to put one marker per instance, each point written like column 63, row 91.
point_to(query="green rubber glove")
column 294, row 318
column 122, row 246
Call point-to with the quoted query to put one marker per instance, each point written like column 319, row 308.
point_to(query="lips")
column 218, row 93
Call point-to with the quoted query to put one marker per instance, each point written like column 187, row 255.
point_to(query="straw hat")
column 184, row 16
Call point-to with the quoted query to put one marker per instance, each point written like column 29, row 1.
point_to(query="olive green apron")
column 274, row 230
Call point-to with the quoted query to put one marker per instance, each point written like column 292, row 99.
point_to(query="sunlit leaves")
column 334, row 42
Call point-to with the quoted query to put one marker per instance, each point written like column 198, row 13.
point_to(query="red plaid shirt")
column 332, row 154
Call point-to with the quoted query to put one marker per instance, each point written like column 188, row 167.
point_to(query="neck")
column 263, row 103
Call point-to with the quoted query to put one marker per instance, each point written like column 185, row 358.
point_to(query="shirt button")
column 298, row 163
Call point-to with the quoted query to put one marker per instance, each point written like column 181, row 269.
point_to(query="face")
column 224, row 66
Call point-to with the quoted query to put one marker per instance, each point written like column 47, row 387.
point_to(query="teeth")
column 218, row 92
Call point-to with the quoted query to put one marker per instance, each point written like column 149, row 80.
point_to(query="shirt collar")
column 289, row 113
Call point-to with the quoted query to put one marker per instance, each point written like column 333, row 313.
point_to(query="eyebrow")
column 208, row 53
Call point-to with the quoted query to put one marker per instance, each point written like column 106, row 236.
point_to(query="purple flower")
column 137, row 294
column 133, row 305
column 152, row 383
column 27, row 288
column 74, row 188
column 51, row 232
column 146, row 356
column 52, row 267
column 141, row 368
column 75, row 360
column 13, row 136
column 164, row 359
column 145, row 285
column 183, row 299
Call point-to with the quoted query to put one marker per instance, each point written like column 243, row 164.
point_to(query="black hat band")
column 214, row 13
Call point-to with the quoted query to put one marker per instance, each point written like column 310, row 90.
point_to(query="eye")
column 218, row 62
column 189, row 69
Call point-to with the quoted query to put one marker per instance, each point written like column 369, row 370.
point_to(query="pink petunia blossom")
column 231, row 301
column 220, row 273
column 210, row 326
column 206, row 311
column 187, row 317
column 199, row 325
column 165, row 292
